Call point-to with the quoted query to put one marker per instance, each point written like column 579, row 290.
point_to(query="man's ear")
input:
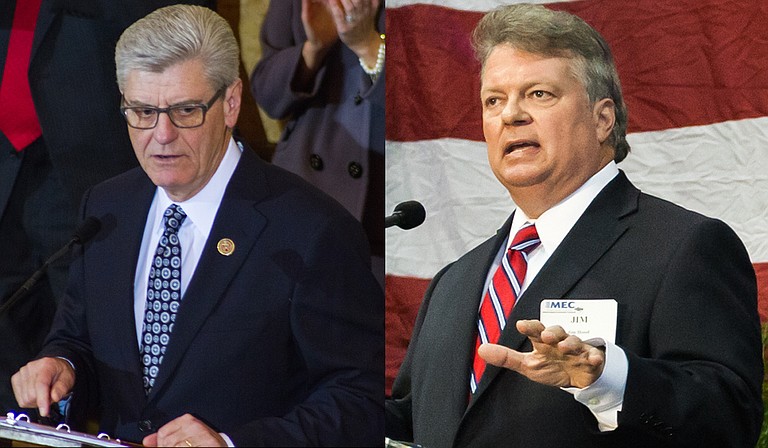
column 232, row 101
column 605, row 117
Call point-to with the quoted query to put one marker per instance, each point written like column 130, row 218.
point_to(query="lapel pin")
column 226, row 247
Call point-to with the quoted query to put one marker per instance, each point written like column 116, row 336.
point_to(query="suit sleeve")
column 701, row 384
column 337, row 321
column 68, row 338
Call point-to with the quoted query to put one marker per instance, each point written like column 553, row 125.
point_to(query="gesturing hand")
column 558, row 359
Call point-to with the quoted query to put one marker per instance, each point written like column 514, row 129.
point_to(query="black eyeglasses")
column 182, row 116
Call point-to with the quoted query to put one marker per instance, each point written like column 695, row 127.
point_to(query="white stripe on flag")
column 720, row 170
column 462, row 198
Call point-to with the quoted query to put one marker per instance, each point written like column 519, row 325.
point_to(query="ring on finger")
column 349, row 18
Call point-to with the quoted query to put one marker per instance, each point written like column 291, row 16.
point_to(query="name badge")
column 587, row 319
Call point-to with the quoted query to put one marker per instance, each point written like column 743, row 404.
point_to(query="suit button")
column 358, row 99
column 355, row 170
column 316, row 162
column 145, row 426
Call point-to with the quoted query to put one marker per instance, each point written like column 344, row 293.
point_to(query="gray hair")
column 176, row 34
column 538, row 30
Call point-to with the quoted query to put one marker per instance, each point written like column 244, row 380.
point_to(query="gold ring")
column 188, row 442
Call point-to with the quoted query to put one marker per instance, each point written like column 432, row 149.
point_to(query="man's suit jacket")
column 85, row 141
column 279, row 343
column 687, row 320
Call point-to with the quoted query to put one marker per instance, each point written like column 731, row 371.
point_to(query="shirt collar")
column 554, row 224
column 198, row 207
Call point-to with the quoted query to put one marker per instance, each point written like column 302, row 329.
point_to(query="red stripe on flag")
column 403, row 296
column 761, row 270
column 433, row 88
column 681, row 63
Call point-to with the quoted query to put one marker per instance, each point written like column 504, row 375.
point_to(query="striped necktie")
column 502, row 294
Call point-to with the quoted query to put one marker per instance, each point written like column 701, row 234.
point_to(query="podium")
column 19, row 431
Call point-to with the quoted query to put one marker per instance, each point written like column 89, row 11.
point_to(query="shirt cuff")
column 227, row 439
column 605, row 397
column 68, row 362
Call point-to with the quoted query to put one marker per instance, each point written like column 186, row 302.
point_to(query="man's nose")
column 165, row 131
column 515, row 114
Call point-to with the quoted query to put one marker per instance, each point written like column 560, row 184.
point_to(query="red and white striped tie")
column 502, row 294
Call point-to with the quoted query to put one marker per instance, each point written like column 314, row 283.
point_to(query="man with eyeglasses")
column 59, row 136
column 224, row 301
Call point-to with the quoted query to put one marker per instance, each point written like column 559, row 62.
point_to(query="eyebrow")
column 129, row 103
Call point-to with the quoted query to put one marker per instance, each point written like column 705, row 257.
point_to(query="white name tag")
column 587, row 319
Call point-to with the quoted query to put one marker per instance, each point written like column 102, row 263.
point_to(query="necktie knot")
column 174, row 216
column 526, row 240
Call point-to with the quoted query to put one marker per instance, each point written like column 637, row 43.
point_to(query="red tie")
column 18, row 120
column 502, row 294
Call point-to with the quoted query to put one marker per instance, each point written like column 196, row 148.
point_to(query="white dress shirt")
column 604, row 397
column 200, row 210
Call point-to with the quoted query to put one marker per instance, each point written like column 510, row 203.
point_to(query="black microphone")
column 87, row 230
column 407, row 215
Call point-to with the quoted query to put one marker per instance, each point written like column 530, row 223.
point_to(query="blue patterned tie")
column 163, row 296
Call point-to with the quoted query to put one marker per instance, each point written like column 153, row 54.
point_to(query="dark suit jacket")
column 85, row 141
column 280, row 343
column 687, row 320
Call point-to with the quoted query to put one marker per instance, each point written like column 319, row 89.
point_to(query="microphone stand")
column 31, row 281
column 82, row 234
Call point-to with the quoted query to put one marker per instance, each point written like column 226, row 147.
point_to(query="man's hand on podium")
column 42, row 382
column 184, row 431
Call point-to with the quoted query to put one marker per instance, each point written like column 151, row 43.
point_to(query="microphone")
column 84, row 232
column 407, row 215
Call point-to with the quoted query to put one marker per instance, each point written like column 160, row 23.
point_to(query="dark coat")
column 687, row 320
column 279, row 343
column 334, row 135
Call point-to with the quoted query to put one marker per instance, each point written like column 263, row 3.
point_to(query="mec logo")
column 559, row 304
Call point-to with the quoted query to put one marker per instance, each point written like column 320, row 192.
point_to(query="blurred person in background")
column 322, row 70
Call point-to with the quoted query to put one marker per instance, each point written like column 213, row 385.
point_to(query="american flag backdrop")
column 695, row 79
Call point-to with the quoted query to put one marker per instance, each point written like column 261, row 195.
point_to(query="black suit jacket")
column 280, row 343
column 687, row 320
column 85, row 141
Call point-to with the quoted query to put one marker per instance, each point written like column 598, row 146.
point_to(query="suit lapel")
column 595, row 232
column 468, row 304
column 237, row 219
column 452, row 378
column 44, row 20
column 113, row 258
